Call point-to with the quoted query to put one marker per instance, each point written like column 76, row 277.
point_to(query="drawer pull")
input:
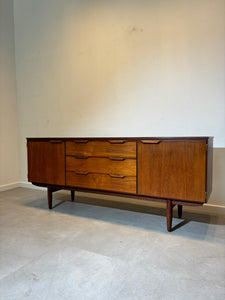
column 150, row 141
column 81, row 157
column 82, row 173
column 117, row 141
column 117, row 176
column 56, row 141
column 81, row 141
column 117, row 158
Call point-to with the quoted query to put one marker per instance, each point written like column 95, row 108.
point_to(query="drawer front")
column 109, row 148
column 107, row 182
column 121, row 166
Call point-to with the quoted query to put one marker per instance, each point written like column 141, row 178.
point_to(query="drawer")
column 108, row 148
column 113, row 165
column 118, row 183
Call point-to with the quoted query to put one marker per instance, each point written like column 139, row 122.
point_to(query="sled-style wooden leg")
column 179, row 210
column 72, row 195
column 49, row 197
column 169, row 214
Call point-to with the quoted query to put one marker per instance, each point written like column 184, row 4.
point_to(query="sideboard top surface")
column 177, row 138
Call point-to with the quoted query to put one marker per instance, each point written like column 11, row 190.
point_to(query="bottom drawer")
column 123, row 184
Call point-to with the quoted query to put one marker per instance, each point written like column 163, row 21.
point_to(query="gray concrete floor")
column 84, row 251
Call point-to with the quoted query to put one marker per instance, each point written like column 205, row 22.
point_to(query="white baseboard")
column 214, row 205
column 9, row 186
column 29, row 185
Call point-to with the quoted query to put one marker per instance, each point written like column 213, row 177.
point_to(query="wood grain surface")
column 174, row 170
column 46, row 162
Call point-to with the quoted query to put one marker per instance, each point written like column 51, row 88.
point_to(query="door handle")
column 82, row 173
column 117, row 176
column 150, row 141
column 117, row 158
column 56, row 141
column 117, row 141
column 80, row 141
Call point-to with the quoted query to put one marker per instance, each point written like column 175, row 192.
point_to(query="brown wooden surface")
column 170, row 170
column 125, row 139
column 169, row 215
column 101, row 165
column 46, row 162
column 209, row 168
column 113, row 182
column 101, row 148
column 179, row 209
column 72, row 195
column 174, row 170
column 50, row 197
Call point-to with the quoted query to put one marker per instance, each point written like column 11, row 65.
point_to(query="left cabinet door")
column 46, row 162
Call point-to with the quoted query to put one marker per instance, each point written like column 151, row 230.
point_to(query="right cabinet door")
column 172, row 169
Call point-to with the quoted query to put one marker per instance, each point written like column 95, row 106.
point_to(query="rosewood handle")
column 117, row 176
column 81, row 141
column 117, row 158
column 56, row 141
column 81, row 173
column 81, row 157
column 117, row 141
column 150, row 141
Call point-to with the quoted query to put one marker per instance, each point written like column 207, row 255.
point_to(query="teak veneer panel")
column 107, row 182
column 172, row 170
column 46, row 162
column 109, row 148
column 121, row 166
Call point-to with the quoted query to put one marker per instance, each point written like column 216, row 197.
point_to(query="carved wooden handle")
column 81, row 141
column 117, row 141
column 117, row 158
column 82, row 173
column 117, row 176
column 56, row 141
column 81, row 157
column 150, row 141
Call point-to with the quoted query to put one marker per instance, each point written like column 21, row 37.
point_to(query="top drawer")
column 108, row 148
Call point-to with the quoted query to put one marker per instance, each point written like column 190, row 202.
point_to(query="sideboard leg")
column 72, row 195
column 49, row 197
column 169, row 214
column 179, row 210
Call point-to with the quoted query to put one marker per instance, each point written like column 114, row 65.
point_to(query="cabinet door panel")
column 172, row 169
column 46, row 162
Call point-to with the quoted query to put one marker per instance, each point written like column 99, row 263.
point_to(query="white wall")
column 120, row 68
column 9, row 150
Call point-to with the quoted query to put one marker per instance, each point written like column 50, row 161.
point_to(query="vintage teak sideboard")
column 174, row 170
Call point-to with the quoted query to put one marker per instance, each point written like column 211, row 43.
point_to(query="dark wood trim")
column 65, row 161
column 49, row 197
column 127, row 139
column 209, row 168
column 179, row 208
column 169, row 215
column 136, row 167
column 72, row 195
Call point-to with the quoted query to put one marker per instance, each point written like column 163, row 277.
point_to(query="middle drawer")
column 113, row 165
